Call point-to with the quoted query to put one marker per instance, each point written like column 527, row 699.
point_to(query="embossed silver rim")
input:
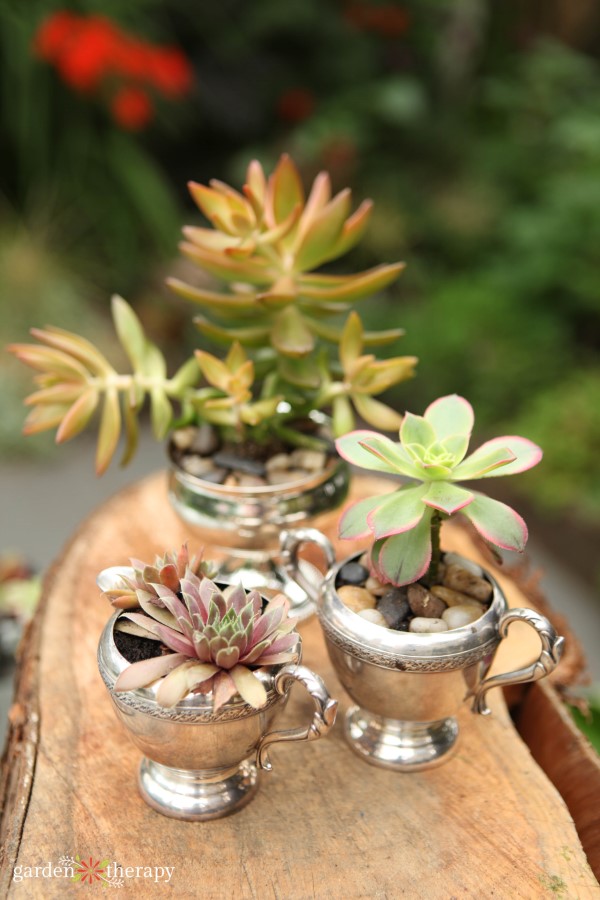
column 407, row 651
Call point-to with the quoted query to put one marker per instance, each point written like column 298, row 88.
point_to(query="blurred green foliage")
column 474, row 126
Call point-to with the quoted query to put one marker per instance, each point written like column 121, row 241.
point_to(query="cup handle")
column 290, row 543
column 552, row 648
column 323, row 718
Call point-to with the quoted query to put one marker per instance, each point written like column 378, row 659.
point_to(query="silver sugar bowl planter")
column 244, row 524
column 407, row 688
column 198, row 764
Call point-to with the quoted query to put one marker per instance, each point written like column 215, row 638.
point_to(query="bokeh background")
column 474, row 126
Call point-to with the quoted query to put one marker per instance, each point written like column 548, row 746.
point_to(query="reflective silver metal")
column 409, row 687
column 245, row 523
column 199, row 764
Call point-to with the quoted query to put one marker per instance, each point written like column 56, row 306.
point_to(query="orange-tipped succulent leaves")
column 431, row 456
column 216, row 640
column 75, row 379
column 266, row 241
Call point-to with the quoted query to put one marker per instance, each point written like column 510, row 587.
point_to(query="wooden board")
column 324, row 824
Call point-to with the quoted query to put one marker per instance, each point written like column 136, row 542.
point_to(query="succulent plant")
column 167, row 570
column 213, row 640
column 266, row 241
column 431, row 456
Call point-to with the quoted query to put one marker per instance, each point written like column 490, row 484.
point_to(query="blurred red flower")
column 132, row 108
column 91, row 53
column 295, row 105
column 387, row 20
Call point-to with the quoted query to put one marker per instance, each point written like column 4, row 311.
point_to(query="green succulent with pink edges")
column 432, row 457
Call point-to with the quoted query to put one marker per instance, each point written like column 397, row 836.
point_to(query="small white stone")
column 422, row 625
column 457, row 616
column 374, row 616
column 313, row 460
column 278, row 463
column 183, row 438
column 196, row 465
column 286, row 476
column 376, row 587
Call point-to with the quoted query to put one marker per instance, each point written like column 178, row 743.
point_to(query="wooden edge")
column 17, row 766
column 567, row 758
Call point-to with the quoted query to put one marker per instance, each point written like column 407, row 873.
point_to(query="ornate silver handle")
column 290, row 543
column 322, row 721
column 552, row 648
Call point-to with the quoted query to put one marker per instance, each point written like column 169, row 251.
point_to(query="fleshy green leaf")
column 349, row 287
column 389, row 457
column 526, row 454
column 343, row 417
column 323, row 232
column 78, row 416
column 416, row 430
column 351, row 341
column 497, row 523
column 286, row 187
column 404, row 558
column 450, row 415
column 129, row 331
column 482, row 462
column 110, row 428
column 353, row 522
column 398, row 513
column 376, row 413
column 290, row 335
column 447, row 497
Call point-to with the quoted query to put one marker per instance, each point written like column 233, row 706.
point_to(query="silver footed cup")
column 244, row 523
column 199, row 764
column 407, row 688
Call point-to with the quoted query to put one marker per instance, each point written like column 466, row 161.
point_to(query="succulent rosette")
column 431, row 456
column 211, row 640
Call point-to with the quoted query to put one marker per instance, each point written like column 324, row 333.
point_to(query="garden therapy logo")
column 90, row 870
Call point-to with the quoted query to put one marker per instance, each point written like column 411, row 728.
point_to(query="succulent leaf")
column 432, row 451
column 210, row 633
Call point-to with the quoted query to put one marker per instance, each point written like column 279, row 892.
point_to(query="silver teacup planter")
column 199, row 764
column 409, row 687
column 244, row 523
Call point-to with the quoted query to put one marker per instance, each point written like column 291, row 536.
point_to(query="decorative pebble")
column 374, row 616
column 231, row 480
column 231, row 461
column 196, row 465
column 424, row 625
column 454, row 598
column 215, row 476
column 365, row 560
column 356, row 598
column 457, row 616
column 394, row 607
column 313, row 460
column 206, row 440
column 279, row 462
column 461, row 580
column 353, row 573
column 422, row 603
column 375, row 586
column 183, row 438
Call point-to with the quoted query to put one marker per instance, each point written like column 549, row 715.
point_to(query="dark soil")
column 134, row 648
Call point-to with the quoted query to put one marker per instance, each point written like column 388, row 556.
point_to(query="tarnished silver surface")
column 245, row 522
column 199, row 764
column 409, row 687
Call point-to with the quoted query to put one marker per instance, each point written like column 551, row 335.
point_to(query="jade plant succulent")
column 266, row 242
column 431, row 458
column 208, row 639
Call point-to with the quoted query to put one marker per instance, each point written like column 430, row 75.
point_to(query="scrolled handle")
column 290, row 543
column 552, row 648
column 322, row 720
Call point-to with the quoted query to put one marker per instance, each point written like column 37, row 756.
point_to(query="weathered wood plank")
column 324, row 824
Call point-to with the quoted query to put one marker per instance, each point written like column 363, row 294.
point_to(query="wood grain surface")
column 324, row 824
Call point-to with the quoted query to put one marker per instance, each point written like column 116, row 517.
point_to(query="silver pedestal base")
column 195, row 795
column 402, row 746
